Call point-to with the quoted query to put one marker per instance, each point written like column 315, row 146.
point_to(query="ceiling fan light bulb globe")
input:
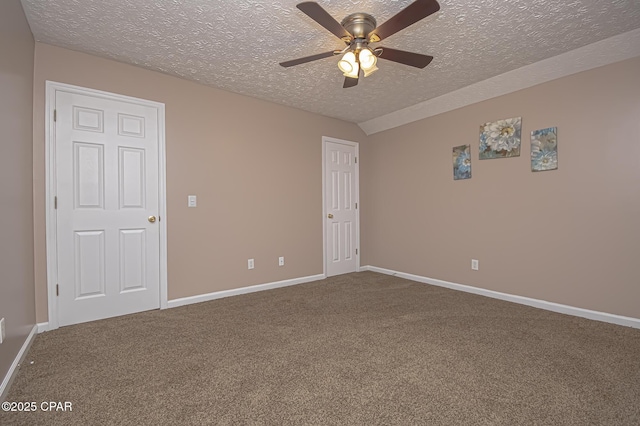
column 345, row 66
column 367, row 59
column 348, row 65
column 353, row 73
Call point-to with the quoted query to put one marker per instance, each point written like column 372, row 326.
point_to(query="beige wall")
column 570, row 236
column 255, row 166
column 16, row 208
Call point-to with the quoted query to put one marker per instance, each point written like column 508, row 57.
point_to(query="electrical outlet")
column 474, row 264
column 250, row 264
column 2, row 330
column 192, row 201
column 281, row 261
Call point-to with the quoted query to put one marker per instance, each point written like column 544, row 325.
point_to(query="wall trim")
column 614, row 49
column 242, row 290
column 42, row 327
column 536, row 303
column 13, row 370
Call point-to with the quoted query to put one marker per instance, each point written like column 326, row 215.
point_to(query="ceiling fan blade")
column 306, row 59
column 408, row 58
column 411, row 14
column 314, row 11
column 349, row 82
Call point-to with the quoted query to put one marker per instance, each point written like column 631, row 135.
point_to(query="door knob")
column 330, row 216
column 152, row 219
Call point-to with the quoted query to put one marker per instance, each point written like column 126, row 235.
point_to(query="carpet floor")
column 357, row 349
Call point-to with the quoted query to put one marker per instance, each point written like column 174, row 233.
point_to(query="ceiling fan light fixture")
column 349, row 66
column 358, row 30
column 367, row 59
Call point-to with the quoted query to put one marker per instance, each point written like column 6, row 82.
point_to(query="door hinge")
column 356, row 205
column 356, row 158
column 55, row 115
column 55, row 202
column 57, row 290
column 356, row 251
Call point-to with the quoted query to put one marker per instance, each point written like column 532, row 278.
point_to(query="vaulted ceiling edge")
column 614, row 49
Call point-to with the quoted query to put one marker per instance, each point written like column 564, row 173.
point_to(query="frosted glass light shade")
column 370, row 71
column 367, row 59
column 348, row 65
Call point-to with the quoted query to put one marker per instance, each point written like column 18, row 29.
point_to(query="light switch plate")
column 192, row 201
column 2, row 335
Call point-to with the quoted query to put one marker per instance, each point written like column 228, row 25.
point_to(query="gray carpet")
column 358, row 349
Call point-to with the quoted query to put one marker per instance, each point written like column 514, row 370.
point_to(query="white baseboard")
column 4, row 387
column 42, row 327
column 243, row 290
column 536, row 303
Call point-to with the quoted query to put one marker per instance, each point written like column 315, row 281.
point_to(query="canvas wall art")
column 544, row 149
column 462, row 162
column 500, row 139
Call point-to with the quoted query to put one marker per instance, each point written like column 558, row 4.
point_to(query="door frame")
column 356, row 145
column 50, row 187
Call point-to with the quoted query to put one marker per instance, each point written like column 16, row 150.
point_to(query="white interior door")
column 341, row 206
column 107, row 188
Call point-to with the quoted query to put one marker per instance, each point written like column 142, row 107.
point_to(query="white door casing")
column 106, row 179
column 340, row 206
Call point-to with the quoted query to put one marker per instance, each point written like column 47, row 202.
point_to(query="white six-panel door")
column 107, row 189
column 341, row 212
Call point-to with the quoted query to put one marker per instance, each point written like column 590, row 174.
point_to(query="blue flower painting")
column 500, row 139
column 544, row 149
column 462, row 162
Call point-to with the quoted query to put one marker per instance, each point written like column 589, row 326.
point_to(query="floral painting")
column 544, row 149
column 500, row 139
column 462, row 162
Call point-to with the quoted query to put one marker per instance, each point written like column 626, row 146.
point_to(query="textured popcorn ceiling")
column 236, row 45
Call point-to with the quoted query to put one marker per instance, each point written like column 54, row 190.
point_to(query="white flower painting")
column 500, row 139
column 544, row 149
column 462, row 162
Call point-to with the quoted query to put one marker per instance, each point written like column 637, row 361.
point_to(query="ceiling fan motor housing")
column 359, row 24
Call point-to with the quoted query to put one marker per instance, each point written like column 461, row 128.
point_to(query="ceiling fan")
column 358, row 30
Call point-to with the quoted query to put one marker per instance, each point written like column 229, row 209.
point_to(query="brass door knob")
column 152, row 219
column 330, row 216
